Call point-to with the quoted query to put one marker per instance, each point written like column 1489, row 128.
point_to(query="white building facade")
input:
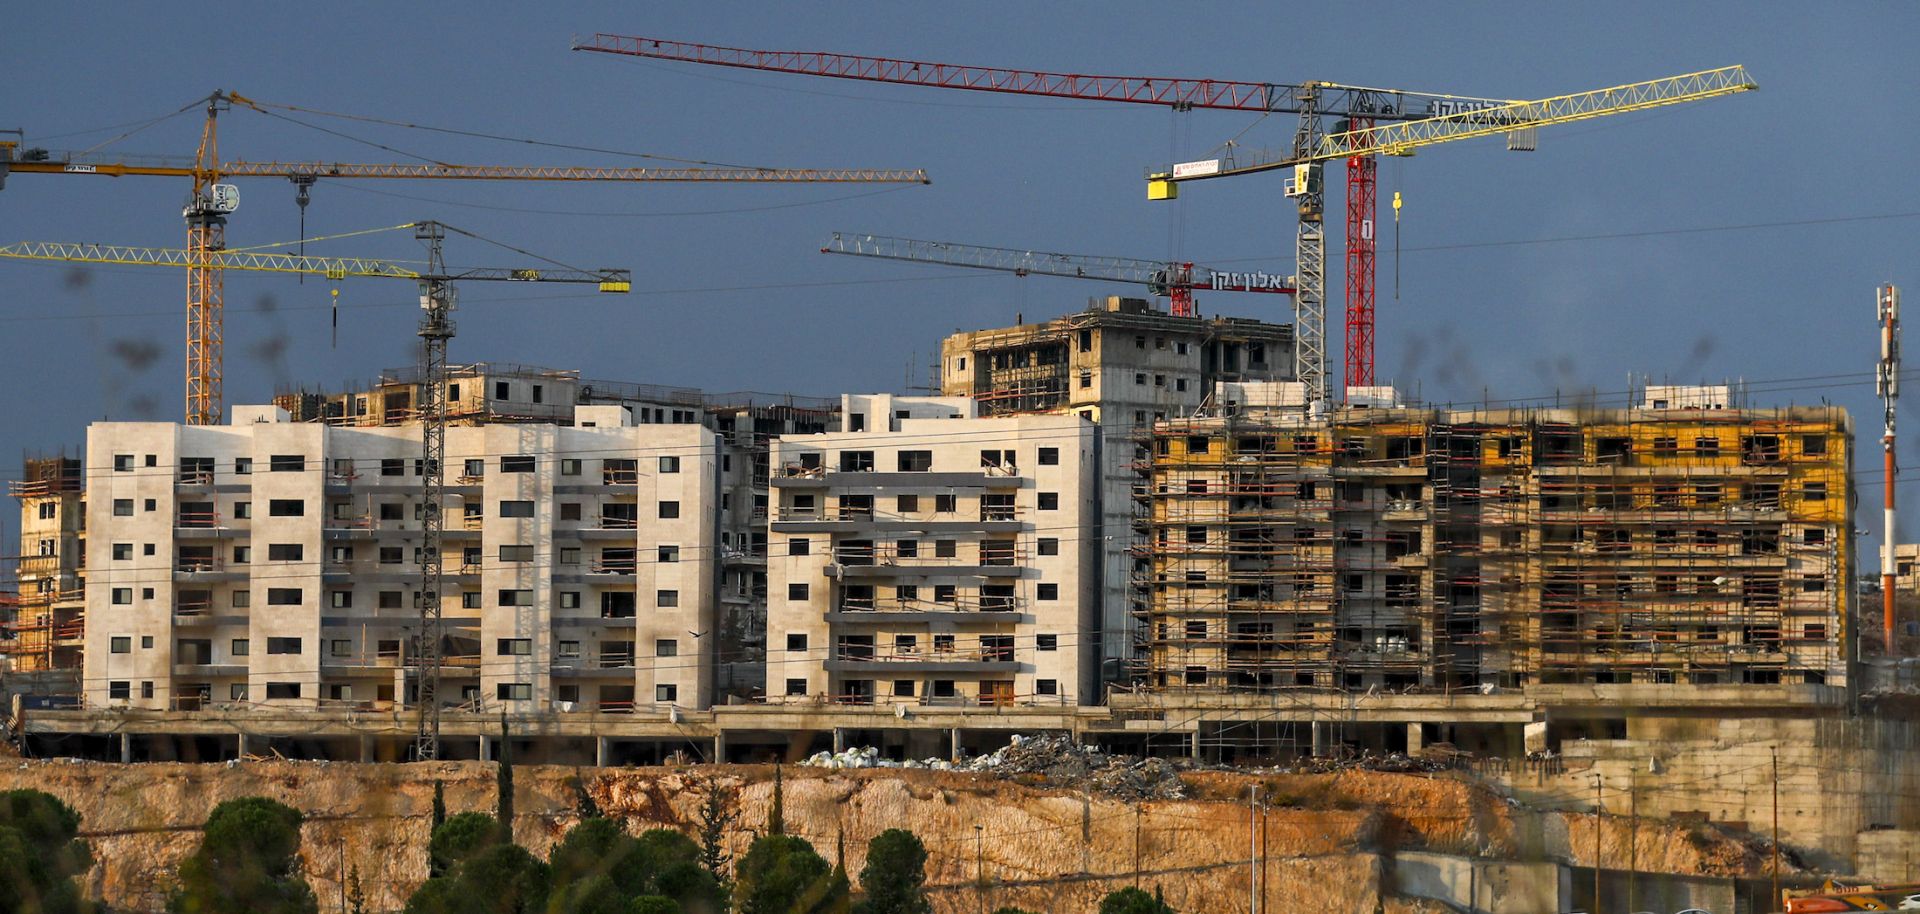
column 274, row 563
column 926, row 557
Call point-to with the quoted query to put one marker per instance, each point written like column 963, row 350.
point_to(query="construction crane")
column 1358, row 141
column 1174, row 281
column 211, row 202
column 1370, row 121
column 437, row 302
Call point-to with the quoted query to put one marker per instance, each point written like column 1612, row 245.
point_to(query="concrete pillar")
column 1194, row 743
column 602, row 748
column 953, row 745
column 126, row 749
column 719, row 747
column 1416, row 742
column 839, row 739
column 366, row 749
column 486, row 750
column 1321, row 739
column 241, row 747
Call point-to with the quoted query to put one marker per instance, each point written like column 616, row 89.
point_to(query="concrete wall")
column 1839, row 779
column 1472, row 884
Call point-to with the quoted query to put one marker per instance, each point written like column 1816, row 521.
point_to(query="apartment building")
column 40, row 633
column 1124, row 365
column 928, row 556
column 276, row 563
column 1680, row 543
column 489, row 393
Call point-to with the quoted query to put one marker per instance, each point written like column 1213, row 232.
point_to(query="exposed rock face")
column 1039, row 846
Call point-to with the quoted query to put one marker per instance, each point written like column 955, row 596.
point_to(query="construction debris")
column 1056, row 759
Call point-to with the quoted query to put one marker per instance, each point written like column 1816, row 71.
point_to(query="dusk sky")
column 1739, row 238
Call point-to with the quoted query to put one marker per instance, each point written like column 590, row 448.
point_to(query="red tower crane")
column 1347, row 107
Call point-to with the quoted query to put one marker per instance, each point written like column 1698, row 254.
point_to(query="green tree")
column 653, row 904
column 40, row 854
column 459, row 838
column 503, row 879
column 717, row 816
column 1133, row 901
column 595, row 847
column 777, row 812
column 597, row 865
column 781, row 874
column 247, row 862
column 595, row 894
column 895, row 874
column 583, row 804
column 439, row 819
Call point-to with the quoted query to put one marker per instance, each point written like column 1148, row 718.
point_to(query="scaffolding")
column 41, row 626
column 1440, row 550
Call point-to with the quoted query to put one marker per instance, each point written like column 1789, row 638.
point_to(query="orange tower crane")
column 211, row 202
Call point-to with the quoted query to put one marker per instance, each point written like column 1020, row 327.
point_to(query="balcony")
column 604, row 566
column 199, row 524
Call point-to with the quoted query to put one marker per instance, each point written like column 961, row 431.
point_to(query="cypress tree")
column 776, row 814
column 505, row 777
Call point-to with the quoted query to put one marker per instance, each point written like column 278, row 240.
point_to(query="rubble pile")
column 1391, row 763
column 1055, row 758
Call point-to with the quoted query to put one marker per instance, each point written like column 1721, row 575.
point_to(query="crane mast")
column 436, row 328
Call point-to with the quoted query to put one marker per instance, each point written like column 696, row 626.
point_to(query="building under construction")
column 1125, row 365
column 1421, row 550
column 41, row 633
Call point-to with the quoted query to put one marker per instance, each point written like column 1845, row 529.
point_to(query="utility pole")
column 1775, row 752
column 1253, row 848
column 980, row 865
column 1596, row 843
column 1136, row 845
column 1633, row 840
column 1886, row 383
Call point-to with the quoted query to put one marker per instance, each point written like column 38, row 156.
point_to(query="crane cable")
column 501, row 137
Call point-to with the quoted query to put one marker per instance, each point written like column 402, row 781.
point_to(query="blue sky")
column 1504, row 288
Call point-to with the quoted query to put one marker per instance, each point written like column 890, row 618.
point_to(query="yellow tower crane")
column 211, row 202
column 1313, row 146
column 436, row 328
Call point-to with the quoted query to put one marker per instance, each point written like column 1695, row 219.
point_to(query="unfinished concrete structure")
column 935, row 559
column 41, row 631
column 1424, row 550
column 1124, row 365
column 270, row 563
